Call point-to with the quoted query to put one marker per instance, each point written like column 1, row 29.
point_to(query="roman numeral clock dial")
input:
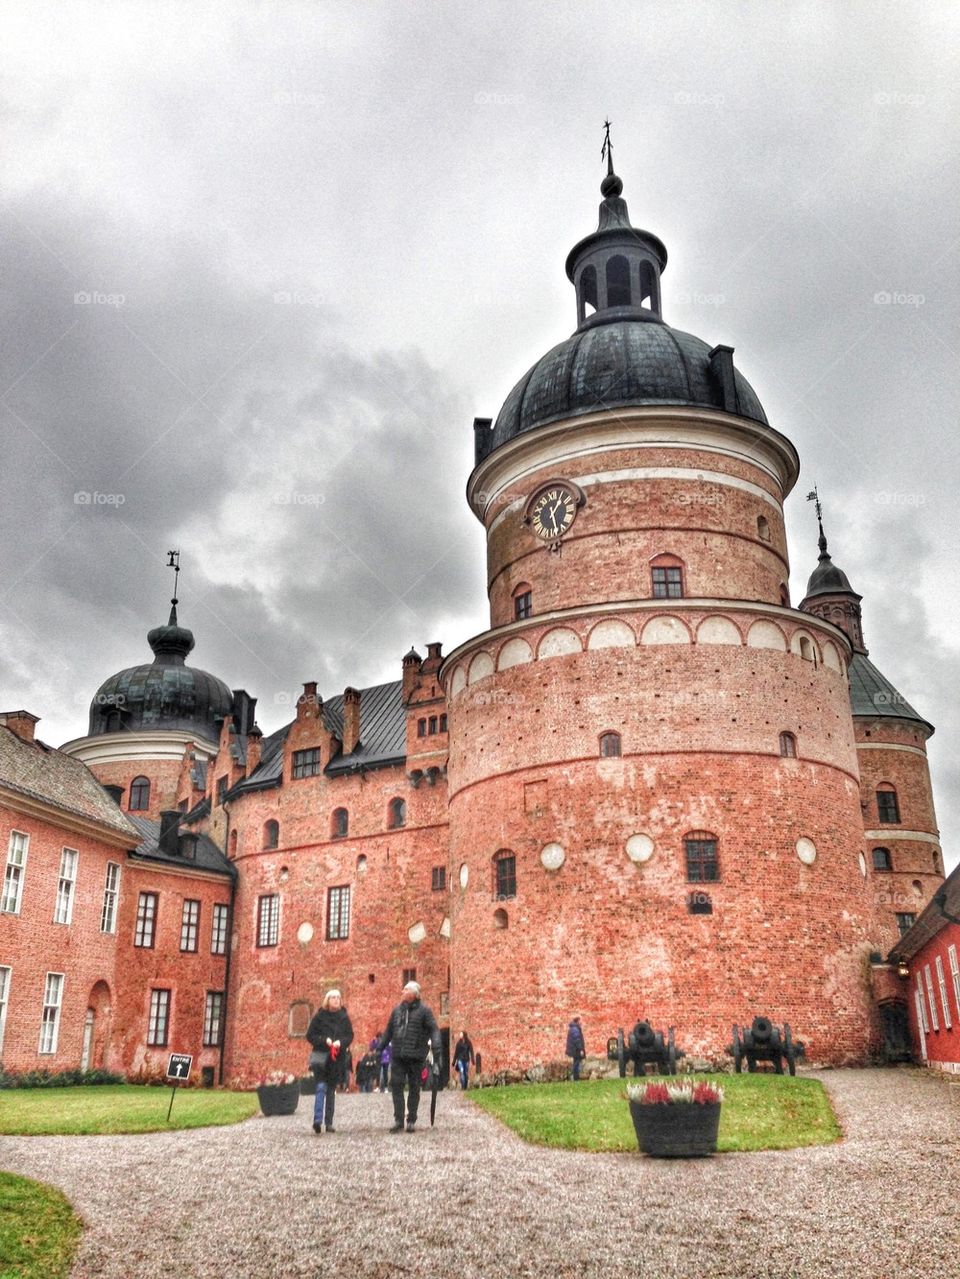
column 552, row 510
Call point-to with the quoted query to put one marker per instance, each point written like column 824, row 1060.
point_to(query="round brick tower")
column 654, row 804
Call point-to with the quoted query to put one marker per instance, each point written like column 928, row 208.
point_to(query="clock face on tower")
column 552, row 510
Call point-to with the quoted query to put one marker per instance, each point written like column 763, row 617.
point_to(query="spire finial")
column 814, row 497
column 611, row 184
column 173, row 561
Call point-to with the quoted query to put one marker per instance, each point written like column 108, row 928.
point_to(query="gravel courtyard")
column 269, row 1198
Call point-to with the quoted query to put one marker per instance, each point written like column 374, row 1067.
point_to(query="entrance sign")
column 178, row 1069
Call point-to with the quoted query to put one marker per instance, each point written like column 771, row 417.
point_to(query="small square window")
column 888, row 810
column 409, row 974
column 905, row 921
column 667, row 584
column 701, row 850
column 306, row 763
column 523, row 605
column 438, row 878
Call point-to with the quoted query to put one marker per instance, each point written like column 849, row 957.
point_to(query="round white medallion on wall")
column 552, row 856
column 806, row 851
column 464, row 875
column 305, row 934
column 417, row 933
column 639, row 848
column 863, row 865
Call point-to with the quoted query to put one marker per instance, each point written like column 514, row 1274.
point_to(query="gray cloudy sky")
column 261, row 264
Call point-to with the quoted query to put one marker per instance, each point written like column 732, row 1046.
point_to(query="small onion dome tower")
column 652, row 772
column 902, row 842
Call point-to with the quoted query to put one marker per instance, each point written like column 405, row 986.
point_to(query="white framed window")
column 146, row 920
column 933, row 1003
column 212, row 1019
column 66, row 885
column 159, row 1024
column 268, row 919
column 922, row 1007
column 955, row 974
column 50, row 1017
column 13, row 875
column 944, row 1001
column 338, row 913
column 921, row 1019
column 5, row 975
column 218, row 934
column 111, row 890
column 189, row 924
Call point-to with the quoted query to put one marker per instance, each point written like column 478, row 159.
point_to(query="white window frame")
column 66, row 886
column 268, row 921
column 147, row 916
column 213, row 1020
column 944, row 1001
column 955, row 974
column 5, row 977
column 922, row 1006
column 111, row 891
column 218, row 928
column 933, row 1003
column 921, row 1018
column 339, row 912
column 17, row 849
column 50, row 1015
column 159, row 1016
column 190, row 925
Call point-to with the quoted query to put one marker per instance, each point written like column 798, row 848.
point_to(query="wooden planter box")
column 279, row 1099
column 678, row 1130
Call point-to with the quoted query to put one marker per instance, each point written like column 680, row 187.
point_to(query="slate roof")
column 931, row 920
column 383, row 737
column 871, row 693
column 207, row 856
column 44, row 773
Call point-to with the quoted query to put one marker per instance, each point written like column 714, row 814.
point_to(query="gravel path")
column 267, row 1199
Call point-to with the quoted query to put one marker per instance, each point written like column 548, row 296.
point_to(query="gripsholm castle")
column 663, row 782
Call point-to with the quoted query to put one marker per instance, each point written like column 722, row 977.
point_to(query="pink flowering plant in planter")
column 278, row 1092
column 676, row 1121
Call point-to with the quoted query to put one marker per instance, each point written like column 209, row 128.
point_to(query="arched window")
column 271, row 834
column 139, row 795
column 699, row 904
column 234, row 840
column 432, row 729
column 339, row 823
column 888, row 810
column 763, row 528
column 298, row 1018
column 881, row 859
column 702, row 864
column 648, row 288
column 917, row 888
column 588, row 289
column 500, row 919
column 421, row 728
column 443, row 723
column 504, row 875
column 522, row 601
column 609, row 744
column 666, row 577
column 618, row 281
column 807, row 651
column 788, row 746
column 397, row 813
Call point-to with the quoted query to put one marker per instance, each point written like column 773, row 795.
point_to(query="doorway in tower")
column 895, row 1023
column 96, row 1028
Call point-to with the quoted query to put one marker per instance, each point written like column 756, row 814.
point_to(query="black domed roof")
column 165, row 694
column 827, row 579
column 614, row 363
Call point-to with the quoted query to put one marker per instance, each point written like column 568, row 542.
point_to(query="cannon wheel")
column 671, row 1054
column 621, row 1056
column 788, row 1049
column 737, row 1049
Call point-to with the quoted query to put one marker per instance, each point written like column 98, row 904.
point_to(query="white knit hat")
column 414, row 986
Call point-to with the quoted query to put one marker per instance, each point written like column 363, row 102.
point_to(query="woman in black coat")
column 329, row 1032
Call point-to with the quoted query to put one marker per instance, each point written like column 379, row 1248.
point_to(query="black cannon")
column 764, row 1041
column 644, row 1046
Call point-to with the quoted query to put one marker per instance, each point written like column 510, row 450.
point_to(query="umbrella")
column 434, row 1089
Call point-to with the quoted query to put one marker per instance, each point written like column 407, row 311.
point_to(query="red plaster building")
column 652, row 786
column 928, row 963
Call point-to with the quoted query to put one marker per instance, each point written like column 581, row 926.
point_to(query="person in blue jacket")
column 576, row 1048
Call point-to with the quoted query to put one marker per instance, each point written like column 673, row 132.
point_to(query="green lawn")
column 38, row 1230
column 760, row 1112
column 117, row 1108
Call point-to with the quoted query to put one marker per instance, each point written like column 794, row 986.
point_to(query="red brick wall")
column 942, row 1044
column 163, row 774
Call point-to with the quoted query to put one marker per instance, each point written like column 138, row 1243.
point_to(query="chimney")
column 433, row 660
column 351, row 719
column 482, row 438
column 20, row 723
column 169, row 841
column 411, row 670
column 721, row 366
column 244, row 707
column 115, row 793
column 309, row 705
column 254, row 749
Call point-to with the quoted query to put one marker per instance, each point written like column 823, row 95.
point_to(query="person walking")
column 411, row 1030
column 576, row 1048
column 330, row 1034
column 463, row 1058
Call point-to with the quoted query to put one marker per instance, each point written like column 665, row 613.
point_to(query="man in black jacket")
column 412, row 1029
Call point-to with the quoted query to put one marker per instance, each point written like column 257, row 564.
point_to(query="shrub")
column 56, row 1079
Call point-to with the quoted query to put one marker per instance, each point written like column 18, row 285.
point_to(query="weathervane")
column 173, row 561
column 606, row 151
column 814, row 496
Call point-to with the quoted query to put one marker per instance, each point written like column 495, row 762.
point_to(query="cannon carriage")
column 764, row 1041
column 644, row 1046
